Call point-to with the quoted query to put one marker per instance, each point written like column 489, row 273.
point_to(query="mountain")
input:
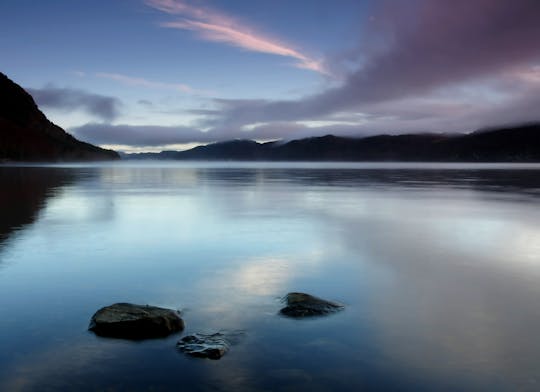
column 27, row 135
column 513, row 144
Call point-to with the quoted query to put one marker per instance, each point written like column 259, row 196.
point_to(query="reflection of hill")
column 24, row 192
column 525, row 181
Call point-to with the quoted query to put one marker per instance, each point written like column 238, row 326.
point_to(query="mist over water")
column 438, row 266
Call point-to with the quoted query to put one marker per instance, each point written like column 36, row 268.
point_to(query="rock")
column 305, row 305
column 129, row 321
column 212, row 346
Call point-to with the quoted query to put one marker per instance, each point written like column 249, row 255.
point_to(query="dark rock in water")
column 212, row 346
column 305, row 305
column 129, row 321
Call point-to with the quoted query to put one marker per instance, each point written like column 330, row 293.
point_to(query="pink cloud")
column 217, row 27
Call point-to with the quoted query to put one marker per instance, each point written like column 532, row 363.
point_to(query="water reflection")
column 439, row 269
column 459, row 299
column 24, row 193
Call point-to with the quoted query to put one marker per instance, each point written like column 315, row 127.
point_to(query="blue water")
column 438, row 265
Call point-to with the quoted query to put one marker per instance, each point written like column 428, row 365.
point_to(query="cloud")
column 417, row 50
column 215, row 26
column 154, row 135
column 101, row 106
column 141, row 82
column 139, row 135
column 400, row 116
column 161, row 136
column 473, row 111
column 441, row 43
column 421, row 66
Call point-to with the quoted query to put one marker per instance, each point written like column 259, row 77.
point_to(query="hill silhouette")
column 27, row 135
column 511, row 144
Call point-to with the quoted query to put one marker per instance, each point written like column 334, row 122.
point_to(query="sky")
column 152, row 75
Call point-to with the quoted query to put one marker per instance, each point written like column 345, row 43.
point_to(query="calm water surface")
column 439, row 268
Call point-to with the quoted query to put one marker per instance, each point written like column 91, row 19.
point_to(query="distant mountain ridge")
column 27, row 135
column 512, row 144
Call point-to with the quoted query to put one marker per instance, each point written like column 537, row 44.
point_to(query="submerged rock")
column 305, row 305
column 129, row 321
column 212, row 346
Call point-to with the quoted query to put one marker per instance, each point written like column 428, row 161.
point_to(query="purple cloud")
column 415, row 49
column 421, row 66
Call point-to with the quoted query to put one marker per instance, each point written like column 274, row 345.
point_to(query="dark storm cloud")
column 101, row 106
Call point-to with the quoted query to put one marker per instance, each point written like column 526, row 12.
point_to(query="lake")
column 438, row 266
